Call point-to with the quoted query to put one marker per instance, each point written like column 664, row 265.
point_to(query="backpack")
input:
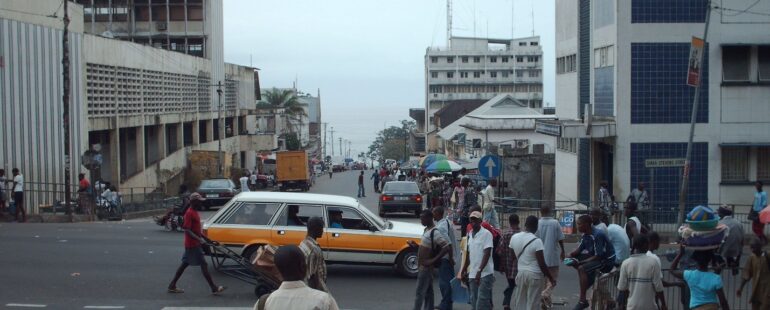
column 496, row 258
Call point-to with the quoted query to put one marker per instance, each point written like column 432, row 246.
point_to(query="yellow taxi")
column 352, row 234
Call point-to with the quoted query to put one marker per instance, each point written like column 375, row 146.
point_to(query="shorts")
column 18, row 197
column 593, row 267
column 194, row 256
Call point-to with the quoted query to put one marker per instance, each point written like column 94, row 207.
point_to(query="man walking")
column 510, row 266
column 479, row 268
column 490, row 215
column 605, row 201
column 446, row 270
column 528, row 250
column 733, row 245
column 314, row 256
column 376, row 177
column 641, row 197
column 361, row 185
column 549, row 231
column 244, row 182
column 640, row 282
column 193, row 250
column 293, row 293
column 85, row 197
column 18, row 195
column 757, row 271
column 431, row 249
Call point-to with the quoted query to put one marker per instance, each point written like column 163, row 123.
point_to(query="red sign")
column 696, row 56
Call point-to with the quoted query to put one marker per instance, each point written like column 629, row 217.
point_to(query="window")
column 505, row 59
column 433, row 59
column 463, row 74
column 735, row 164
column 476, row 59
column 434, row 75
column 297, row 215
column 493, row 74
column 450, row 59
column 763, row 163
column 450, row 75
column 520, row 73
column 477, row 74
column 568, row 145
column 522, row 43
column 534, row 73
column 465, row 59
column 735, row 63
column 346, row 218
column 252, row 214
column 435, row 88
column 505, row 74
column 533, row 58
column 603, row 57
column 194, row 13
column 532, row 43
column 763, row 53
column 492, row 59
column 571, row 63
column 519, row 58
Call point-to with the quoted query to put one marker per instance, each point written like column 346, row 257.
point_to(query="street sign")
column 693, row 67
column 489, row 166
column 664, row 162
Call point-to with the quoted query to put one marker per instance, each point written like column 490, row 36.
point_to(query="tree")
column 391, row 142
column 292, row 142
column 287, row 100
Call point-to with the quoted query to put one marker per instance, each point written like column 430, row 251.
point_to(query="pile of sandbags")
column 702, row 230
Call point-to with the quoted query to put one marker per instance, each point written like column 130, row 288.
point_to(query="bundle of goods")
column 702, row 230
column 264, row 261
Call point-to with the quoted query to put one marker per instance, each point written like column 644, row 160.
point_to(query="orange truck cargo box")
column 292, row 166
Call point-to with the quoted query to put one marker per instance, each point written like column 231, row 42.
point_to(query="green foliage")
column 292, row 142
column 390, row 142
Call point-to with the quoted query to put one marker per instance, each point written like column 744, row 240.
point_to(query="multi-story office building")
column 623, row 65
column 478, row 69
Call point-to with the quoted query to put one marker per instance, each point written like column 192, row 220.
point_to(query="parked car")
column 352, row 235
column 338, row 168
column 400, row 196
column 217, row 192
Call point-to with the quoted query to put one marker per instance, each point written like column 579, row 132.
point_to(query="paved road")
column 127, row 265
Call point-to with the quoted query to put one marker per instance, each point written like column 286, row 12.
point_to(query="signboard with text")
column 693, row 67
column 664, row 162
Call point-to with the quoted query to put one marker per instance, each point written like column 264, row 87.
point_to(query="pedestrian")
column 634, row 225
column 528, row 252
column 620, row 243
column 314, row 256
column 446, row 270
column 478, row 269
column 706, row 288
column 510, row 266
column 244, row 182
column 193, row 249
column 3, row 193
column 605, row 201
column 641, row 197
column 293, row 293
column 550, row 233
column 760, row 202
column 376, row 177
column 640, row 283
column 757, row 270
column 490, row 215
column 361, row 185
column 462, row 174
column 457, row 200
column 432, row 248
column 18, row 195
column 654, row 244
column 731, row 248
column 253, row 180
column 596, row 219
column 595, row 253
column 85, row 197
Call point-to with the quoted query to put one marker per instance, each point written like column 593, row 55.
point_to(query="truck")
column 292, row 170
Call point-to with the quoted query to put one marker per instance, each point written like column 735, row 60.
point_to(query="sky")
column 367, row 56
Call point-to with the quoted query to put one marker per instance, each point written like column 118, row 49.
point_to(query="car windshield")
column 406, row 187
column 380, row 222
column 215, row 184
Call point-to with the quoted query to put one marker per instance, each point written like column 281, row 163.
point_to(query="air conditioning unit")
column 161, row 26
column 522, row 144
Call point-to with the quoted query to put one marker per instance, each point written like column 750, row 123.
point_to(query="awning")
column 743, row 144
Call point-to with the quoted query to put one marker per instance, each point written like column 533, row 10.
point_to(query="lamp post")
column 219, row 129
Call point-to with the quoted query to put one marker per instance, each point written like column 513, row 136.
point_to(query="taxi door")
column 349, row 237
column 291, row 225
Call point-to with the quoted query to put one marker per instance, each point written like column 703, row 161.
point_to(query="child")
column 706, row 290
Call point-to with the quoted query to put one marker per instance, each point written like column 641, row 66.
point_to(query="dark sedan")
column 217, row 192
column 400, row 196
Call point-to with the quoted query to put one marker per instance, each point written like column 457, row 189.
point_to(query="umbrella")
column 764, row 216
column 430, row 158
column 443, row 166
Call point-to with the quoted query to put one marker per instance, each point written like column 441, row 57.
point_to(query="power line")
column 746, row 9
column 739, row 12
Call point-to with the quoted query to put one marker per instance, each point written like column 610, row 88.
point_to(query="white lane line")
column 104, row 307
column 26, row 305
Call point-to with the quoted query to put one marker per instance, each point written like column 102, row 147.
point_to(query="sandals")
column 218, row 291
column 175, row 290
column 581, row 305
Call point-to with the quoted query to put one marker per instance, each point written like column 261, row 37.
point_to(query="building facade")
column 624, row 104
column 479, row 69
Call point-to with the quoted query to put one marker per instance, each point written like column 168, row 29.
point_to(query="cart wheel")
column 261, row 289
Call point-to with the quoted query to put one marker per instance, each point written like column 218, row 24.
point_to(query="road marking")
column 104, row 307
column 26, row 305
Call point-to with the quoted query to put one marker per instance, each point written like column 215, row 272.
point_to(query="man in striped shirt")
column 640, row 279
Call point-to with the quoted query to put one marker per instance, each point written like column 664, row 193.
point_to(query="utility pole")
column 66, row 107
column 219, row 129
column 332, row 142
column 324, row 143
column 341, row 153
column 693, row 119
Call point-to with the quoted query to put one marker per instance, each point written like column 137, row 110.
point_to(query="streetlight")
column 219, row 128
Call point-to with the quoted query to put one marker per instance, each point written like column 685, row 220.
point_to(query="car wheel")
column 250, row 252
column 406, row 264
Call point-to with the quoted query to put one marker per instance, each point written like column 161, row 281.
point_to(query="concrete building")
column 144, row 109
column 624, row 104
column 479, row 69
column 307, row 126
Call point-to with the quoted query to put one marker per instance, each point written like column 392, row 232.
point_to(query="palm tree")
column 287, row 100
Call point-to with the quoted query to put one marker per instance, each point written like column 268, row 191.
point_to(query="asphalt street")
column 128, row 264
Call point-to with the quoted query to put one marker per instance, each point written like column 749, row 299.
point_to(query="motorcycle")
column 108, row 209
column 173, row 219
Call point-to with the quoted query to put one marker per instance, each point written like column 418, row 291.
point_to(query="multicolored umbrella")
column 431, row 158
column 443, row 166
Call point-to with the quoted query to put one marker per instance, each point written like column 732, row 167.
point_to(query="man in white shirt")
column 528, row 250
column 293, row 293
column 18, row 195
column 549, row 231
column 479, row 266
column 490, row 215
column 253, row 180
column 640, row 279
column 244, row 182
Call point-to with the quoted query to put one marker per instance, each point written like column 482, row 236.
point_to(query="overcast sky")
column 367, row 56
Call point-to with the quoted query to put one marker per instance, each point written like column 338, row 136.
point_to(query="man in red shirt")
column 193, row 251
column 85, row 199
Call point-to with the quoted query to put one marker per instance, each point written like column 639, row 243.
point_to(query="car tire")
column 406, row 263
